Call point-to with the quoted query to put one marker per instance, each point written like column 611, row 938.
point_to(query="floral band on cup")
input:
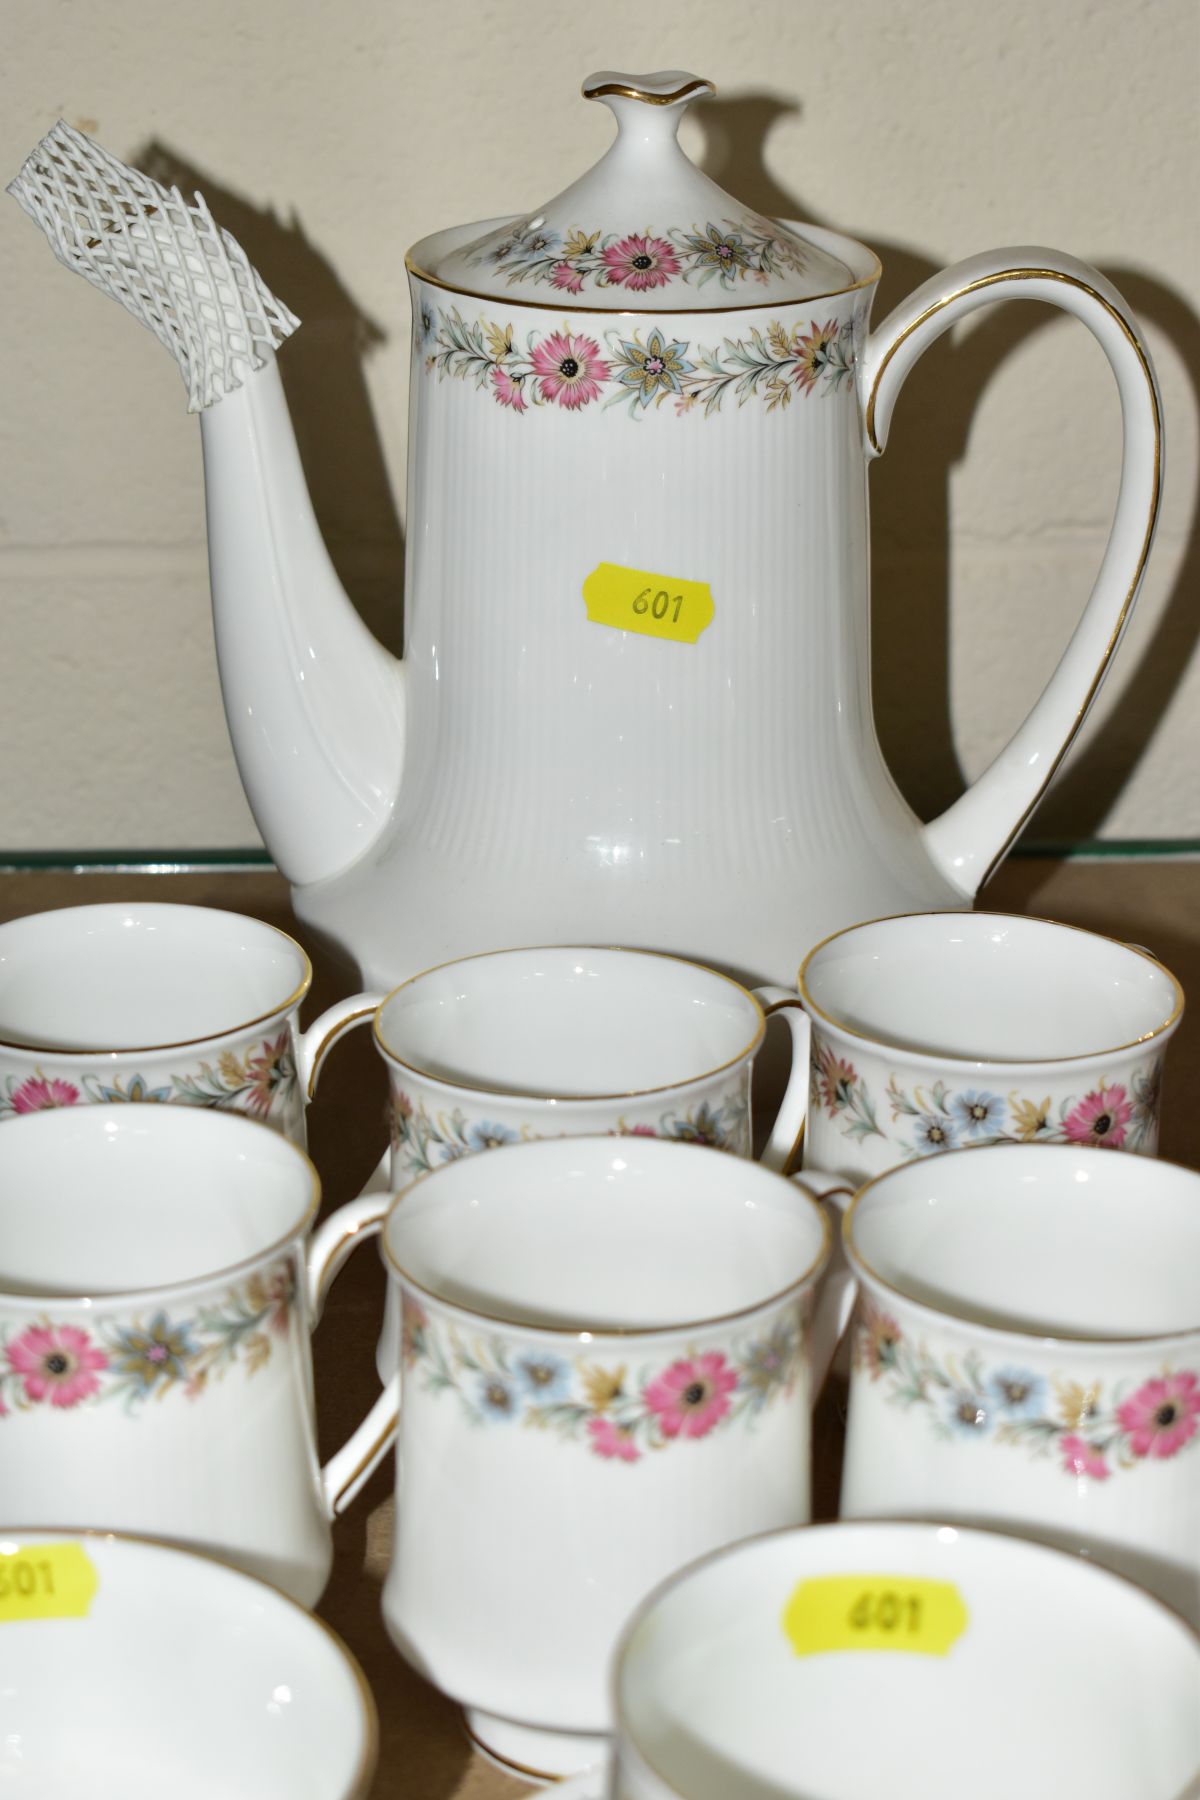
column 259, row 1080
column 619, row 1412
column 64, row 1366
column 1092, row 1432
column 1113, row 1115
column 422, row 1140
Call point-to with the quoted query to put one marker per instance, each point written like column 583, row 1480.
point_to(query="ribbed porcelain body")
column 725, row 799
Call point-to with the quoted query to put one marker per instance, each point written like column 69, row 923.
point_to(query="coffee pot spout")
column 315, row 704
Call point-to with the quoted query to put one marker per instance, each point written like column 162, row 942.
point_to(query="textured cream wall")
column 327, row 138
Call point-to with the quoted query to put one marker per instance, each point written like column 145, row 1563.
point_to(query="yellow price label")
column 874, row 1612
column 657, row 605
column 46, row 1581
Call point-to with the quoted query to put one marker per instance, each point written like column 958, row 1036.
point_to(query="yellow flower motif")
column 230, row 1065
column 1076, row 1404
column 779, row 340
column 499, row 342
column 602, row 1387
column 1029, row 1119
column 256, row 1349
column 578, row 244
column 778, row 393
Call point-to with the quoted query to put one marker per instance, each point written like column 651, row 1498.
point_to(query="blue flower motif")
column 487, row 1136
column 543, row 1376
column 968, row 1412
column 704, row 1125
column 933, row 1132
column 1018, row 1392
column 541, row 243
column 157, row 1353
column 979, row 1114
column 652, row 369
column 497, row 1396
column 137, row 1092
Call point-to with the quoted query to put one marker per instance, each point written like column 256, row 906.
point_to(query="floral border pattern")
column 617, row 1413
column 1091, row 1433
column 926, row 1119
column 571, row 369
column 260, row 1081
column 423, row 1140
column 64, row 1366
column 736, row 250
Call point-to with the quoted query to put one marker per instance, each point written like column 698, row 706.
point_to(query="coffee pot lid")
column 644, row 230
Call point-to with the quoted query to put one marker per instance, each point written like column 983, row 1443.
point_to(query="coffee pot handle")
column 968, row 840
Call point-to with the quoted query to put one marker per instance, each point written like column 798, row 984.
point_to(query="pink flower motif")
column 1100, row 1118
column 692, row 1395
column 640, row 1131
column 571, row 369
column 612, row 1440
column 1161, row 1416
column 509, row 392
column 41, row 1092
column 1082, row 1458
column 566, row 275
column 640, row 263
column 58, row 1363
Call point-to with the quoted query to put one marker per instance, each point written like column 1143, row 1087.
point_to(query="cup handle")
column 787, row 1133
column 331, row 1244
column 327, row 1029
column 839, row 1289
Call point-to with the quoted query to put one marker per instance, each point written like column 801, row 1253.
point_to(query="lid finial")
column 626, row 95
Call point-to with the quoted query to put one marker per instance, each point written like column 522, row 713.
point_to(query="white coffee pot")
column 634, row 705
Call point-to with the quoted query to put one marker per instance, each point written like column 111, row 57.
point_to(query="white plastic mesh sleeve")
column 165, row 260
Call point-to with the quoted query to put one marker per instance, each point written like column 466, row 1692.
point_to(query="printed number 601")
column 886, row 1611
column 657, row 608
column 21, row 1579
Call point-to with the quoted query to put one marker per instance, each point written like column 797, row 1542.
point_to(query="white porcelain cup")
column 157, row 1291
column 938, row 1031
column 128, row 1667
column 146, row 1001
column 1027, row 1353
column 606, row 1373
column 916, row 1661
column 514, row 1045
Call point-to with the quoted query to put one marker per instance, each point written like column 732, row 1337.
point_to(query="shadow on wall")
column 323, row 372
